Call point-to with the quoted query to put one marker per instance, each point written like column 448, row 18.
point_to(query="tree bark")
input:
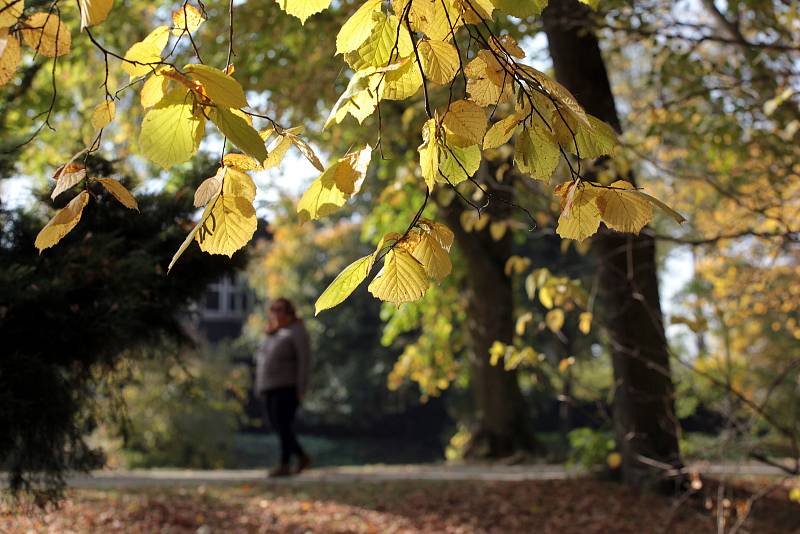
column 644, row 419
column 502, row 424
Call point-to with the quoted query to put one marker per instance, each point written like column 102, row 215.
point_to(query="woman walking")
column 282, row 368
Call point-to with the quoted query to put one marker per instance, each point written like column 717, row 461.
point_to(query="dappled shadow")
column 564, row 506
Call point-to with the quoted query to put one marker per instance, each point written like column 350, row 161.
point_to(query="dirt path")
column 369, row 473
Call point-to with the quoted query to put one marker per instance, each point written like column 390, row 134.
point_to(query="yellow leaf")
column 144, row 57
column 153, row 89
column 358, row 27
column 63, row 221
column 436, row 19
column 522, row 323
column 500, row 132
column 794, row 495
column 467, row 121
column 434, row 259
column 585, row 322
column 498, row 229
column 521, row 8
column 171, row 133
column 402, row 278
column 429, row 153
column 487, row 82
column 221, row 88
column 306, row 150
column 580, row 217
column 277, row 151
column 439, row 232
column 208, row 189
column 403, row 82
column 440, row 61
column 9, row 56
column 103, row 114
column 236, row 183
column 67, row 177
column 241, row 162
column 45, row 33
column 239, row 132
column 680, row 219
column 546, row 297
column 186, row 19
column 229, row 225
column 614, row 459
column 360, row 98
column 335, row 186
column 536, row 153
column 506, row 44
column 94, row 12
column 566, row 363
column 10, row 11
column 516, row 265
column 379, row 49
column 120, row 192
column 302, row 9
column 622, row 209
column 458, row 164
column 345, row 283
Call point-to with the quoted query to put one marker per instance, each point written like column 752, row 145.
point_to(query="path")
column 369, row 473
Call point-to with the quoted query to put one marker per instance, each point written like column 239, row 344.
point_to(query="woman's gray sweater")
column 284, row 359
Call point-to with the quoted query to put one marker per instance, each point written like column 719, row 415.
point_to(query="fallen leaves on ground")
column 579, row 506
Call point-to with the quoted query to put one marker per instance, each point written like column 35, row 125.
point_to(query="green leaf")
column 345, row 283
column 171, row 132
column 239, row 132
column 221, row 88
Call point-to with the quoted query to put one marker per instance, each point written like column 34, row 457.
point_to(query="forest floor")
column 379, row 499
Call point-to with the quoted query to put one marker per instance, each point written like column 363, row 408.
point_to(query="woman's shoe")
column 303, row 463
column 280, row 471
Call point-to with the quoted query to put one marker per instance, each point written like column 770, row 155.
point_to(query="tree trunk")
column 502, row 423
column 644, row 419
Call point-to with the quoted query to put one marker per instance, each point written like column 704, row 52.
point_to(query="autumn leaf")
column 302, row 9
column 143, row 57
column 221, row 88
column 94, row 12
column 402, row 278
column 171, row 132
column 358, row 27
column 434, row 258
column 440, row 61
column 344, row 284
column 10, row 12
column 186, row 19
column 120, row 192
column 9, row 56
column 63, row 221
column 103, row 114
column 46, row 34
column 228, row 225
column 240, row 133
column 335, row 186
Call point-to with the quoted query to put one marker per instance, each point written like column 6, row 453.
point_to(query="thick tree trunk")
column 502, row 422
column 644, row 418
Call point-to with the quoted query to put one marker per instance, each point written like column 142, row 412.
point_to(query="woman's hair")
column 285, row 305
